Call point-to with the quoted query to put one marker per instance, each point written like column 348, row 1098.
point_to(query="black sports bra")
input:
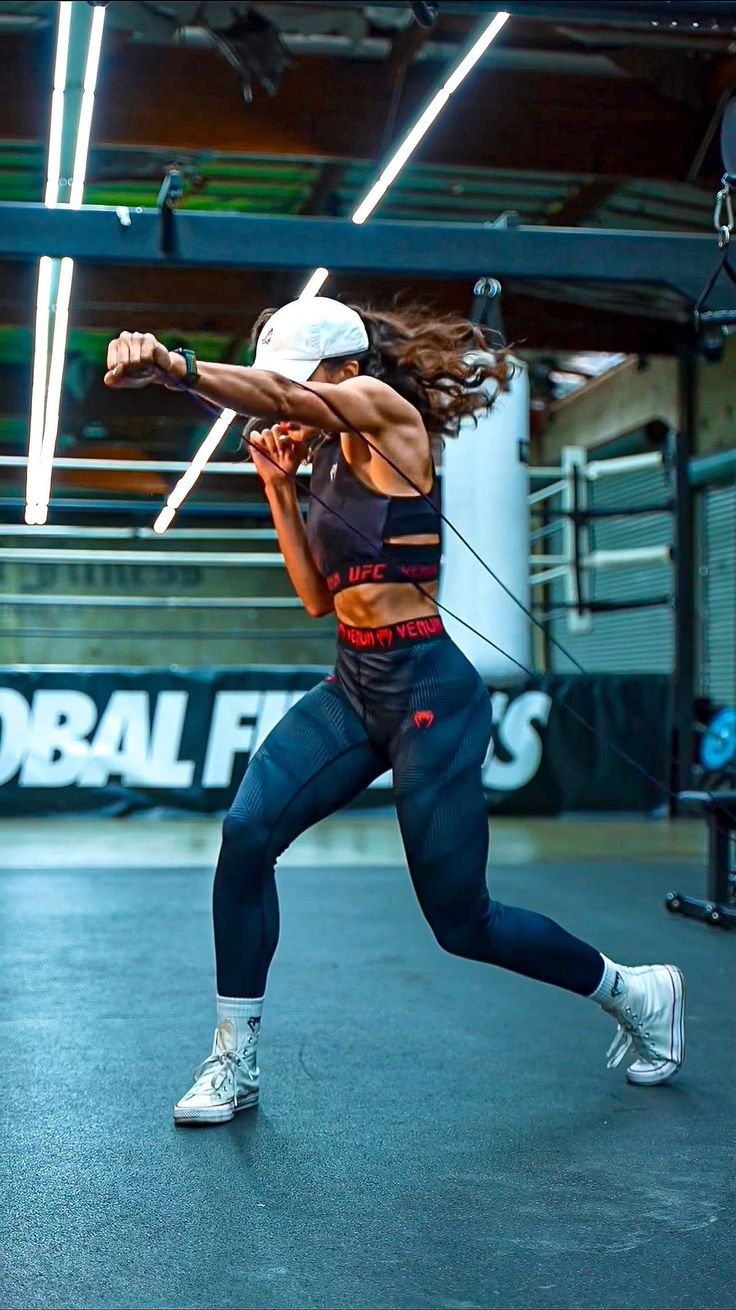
column 356, row 551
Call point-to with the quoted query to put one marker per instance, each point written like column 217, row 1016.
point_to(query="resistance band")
column 349, row 427
column 657, row 782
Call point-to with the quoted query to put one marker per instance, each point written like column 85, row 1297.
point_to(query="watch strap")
column 192, row 375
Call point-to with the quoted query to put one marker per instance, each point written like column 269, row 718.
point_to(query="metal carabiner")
column 723, row 200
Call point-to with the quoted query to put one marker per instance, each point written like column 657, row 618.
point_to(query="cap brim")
column 297, row 370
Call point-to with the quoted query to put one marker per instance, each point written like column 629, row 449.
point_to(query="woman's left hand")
column 275, row 453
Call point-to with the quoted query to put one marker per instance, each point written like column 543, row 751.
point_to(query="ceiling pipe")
column 613, row 13
column 378, row 49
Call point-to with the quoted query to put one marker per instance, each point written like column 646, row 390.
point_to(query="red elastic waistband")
column 392, row 635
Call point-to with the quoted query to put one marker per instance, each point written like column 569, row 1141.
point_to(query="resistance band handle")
column 715, row 317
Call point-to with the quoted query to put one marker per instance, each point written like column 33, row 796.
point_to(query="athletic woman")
column 364, row 395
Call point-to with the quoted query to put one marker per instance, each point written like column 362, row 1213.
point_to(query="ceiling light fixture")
column 46, row 395
column 364, row 210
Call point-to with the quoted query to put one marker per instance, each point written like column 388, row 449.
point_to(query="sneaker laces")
column 630, row 1032
column 221, row 1066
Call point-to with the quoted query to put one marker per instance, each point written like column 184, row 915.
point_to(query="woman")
column 381, row 387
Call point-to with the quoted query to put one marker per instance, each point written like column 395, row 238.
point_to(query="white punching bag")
column 485, row 489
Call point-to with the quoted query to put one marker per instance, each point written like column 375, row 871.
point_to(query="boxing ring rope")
column 142, row 534
column 576, row 561
column 569, row 564
column 158, row 602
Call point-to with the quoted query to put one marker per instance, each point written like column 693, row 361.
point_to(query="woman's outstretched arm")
column 136, row 359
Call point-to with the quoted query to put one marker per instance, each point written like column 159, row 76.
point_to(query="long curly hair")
column 436, row 361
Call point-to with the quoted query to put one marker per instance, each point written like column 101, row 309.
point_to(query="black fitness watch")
column 192, row 376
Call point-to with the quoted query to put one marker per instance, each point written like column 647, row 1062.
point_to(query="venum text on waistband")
column 384, row 638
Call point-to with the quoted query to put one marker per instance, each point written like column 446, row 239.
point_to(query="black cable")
column 383, row 558
column 530, row 672
column 348, row 426
column 663, row 787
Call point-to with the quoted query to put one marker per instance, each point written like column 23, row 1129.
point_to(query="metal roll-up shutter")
column 626, row 641
column 717, row 586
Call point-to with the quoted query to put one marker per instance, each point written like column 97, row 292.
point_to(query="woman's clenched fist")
column 136, row 359
column 275, row 454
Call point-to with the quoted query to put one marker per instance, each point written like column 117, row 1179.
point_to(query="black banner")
column 120, row 740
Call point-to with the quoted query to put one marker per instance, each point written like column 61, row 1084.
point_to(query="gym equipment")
column 718, row 744
column 719, row 811
column 723, row 221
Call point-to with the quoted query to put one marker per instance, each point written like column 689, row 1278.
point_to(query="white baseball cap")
column 301, row 334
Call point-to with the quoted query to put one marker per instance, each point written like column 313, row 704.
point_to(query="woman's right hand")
column 275, row 455
column 136, row 359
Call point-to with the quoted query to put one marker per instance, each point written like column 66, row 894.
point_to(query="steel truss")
column 101, row 234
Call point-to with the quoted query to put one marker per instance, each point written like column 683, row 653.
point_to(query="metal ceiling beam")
column 617, row 13
column 378, row 48
column 681, row 261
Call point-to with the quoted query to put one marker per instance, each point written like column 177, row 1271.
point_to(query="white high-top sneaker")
column 227, row 1081
column 651, row 1019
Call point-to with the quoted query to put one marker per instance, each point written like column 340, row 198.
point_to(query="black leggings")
column 423, row 711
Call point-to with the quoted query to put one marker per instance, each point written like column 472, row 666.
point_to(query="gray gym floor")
column 431, row 1133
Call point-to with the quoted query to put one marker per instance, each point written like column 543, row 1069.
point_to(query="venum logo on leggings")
column 424, row 718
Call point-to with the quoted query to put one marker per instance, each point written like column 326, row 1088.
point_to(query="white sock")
column 613, row 985
column 245, row 1013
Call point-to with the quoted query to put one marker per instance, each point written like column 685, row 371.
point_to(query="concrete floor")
column 432, row 1132
column 363, row 838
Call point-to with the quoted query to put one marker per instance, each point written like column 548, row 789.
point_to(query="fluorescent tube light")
column 38, row 392
column 424, row 122
column 316, row 281
column 88, row 103
column 366, row 207
column 40, row 461
column 57, row 103
column 191, row 477
column 45, row 267
column 417, row 132
column 53, row 394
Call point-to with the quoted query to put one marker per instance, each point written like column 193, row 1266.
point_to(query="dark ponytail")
column 438, row 362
